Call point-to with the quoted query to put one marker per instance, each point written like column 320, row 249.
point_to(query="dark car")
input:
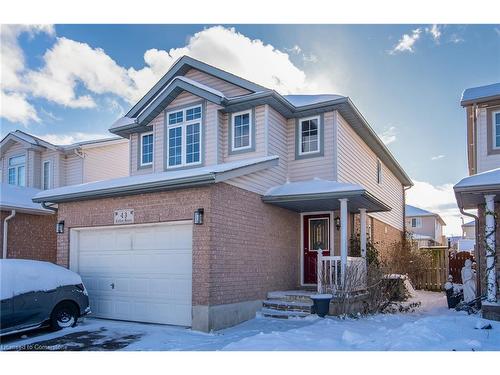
column 36, row 294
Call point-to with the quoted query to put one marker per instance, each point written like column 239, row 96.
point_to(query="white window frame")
column 140, row 149
column 302, row 120
column 494, row 132
column 418, row 222
column 250, row 130
column 16, row 169
column 49, row 180
column 183, row 125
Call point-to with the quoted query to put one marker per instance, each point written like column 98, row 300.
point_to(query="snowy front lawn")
column 432, row 327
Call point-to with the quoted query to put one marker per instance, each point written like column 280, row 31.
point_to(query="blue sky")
column 70, row 82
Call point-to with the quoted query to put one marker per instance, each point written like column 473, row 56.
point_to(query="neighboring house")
column 233, row 189
column 481, row 190
column 469, row 230
column 426, row 227
column 29, row 165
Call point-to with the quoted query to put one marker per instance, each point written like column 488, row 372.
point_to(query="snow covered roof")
column 412, row 211
column 157, row 181
column 470, row 224
column 319, row 195
column 421, row 237
column 480, row 94
column 303, row 100
column 470, row 191
column 19, row 198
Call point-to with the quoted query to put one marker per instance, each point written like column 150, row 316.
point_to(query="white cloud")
column 70, row 138
column 73, row 73
column 435, row 31
column 456, row 38
column 388, row 136
column 405, row 44
column 437, row 157
column 14, row 105
column 295, row 49
column 439, row 199
column 16, row 108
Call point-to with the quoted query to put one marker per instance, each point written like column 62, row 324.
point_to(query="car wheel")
column 64, row 315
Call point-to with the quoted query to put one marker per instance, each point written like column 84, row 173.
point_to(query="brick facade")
column 30, row 236
column 244, row 249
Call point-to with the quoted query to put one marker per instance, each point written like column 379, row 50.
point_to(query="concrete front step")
column 272, row 313
column 292, row 295
column 282, row 305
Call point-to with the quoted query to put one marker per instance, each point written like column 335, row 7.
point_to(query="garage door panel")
column 150, row 268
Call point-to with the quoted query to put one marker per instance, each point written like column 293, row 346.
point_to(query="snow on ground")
column 432, row 327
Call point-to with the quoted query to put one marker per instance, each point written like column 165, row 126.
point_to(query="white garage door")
column 140, row 273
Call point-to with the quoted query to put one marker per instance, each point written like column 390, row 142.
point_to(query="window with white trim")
column 241, row 129
column 416, row 222
column 309, row 136
column 17, row 170
column 495, row 121
column 147, row 149
column 184, row 137
column 46, row 175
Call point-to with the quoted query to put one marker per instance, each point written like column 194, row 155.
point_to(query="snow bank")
column 18, row 276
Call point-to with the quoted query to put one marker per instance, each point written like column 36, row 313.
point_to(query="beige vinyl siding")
column 228, row 89
column 262, row 181
column 320, row 166
column 485, row 162
column 357, row 163
column 73, row 166
column 212, row 133
column 16, row 149
column 105, row 162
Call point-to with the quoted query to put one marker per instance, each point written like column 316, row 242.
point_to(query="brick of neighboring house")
column 244, row 248
column 481, row 247
column 30, row 236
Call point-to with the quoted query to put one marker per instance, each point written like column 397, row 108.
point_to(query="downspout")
column 477, row 253
column 5, row 233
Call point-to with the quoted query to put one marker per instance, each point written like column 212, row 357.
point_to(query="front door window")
column 318, row 234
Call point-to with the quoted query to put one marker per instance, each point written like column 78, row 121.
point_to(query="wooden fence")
column 436, row 275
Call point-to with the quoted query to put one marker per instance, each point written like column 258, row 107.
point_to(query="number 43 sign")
column 124, row 216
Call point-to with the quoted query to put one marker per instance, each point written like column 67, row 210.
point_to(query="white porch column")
column 490, row 243
column 343, row 237
column 362, row 235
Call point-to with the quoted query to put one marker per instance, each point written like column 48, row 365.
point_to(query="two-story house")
column 233, row 191
column 425, row 227
column 29, row 165
column 481, row 190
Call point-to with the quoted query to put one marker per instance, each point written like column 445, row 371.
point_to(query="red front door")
column 316, row 236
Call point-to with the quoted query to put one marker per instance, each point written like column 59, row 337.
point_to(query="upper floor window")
column 241, row 129
column 146, row 149
column 17, row 170
column 184, row 137
column 496, row 128
column 416, row 222
column 46, row 175
column 309, row 136
column 379, row 172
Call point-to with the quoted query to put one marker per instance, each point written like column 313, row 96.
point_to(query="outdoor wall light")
column 337, row 222
column 198, row 216
column 60, row 227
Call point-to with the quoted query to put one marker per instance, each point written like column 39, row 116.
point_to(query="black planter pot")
column 321, row 304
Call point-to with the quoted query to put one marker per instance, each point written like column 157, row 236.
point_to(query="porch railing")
column 333, row 279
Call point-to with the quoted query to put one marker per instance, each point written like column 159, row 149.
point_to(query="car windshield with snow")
column 36, row 294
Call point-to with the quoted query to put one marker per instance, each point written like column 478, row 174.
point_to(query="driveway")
column 432, row 327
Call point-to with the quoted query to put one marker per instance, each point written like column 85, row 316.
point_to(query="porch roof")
column 470, row 191
column 323, row 195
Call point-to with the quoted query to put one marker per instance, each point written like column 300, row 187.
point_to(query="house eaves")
column 155, row 182
column 181, row 67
